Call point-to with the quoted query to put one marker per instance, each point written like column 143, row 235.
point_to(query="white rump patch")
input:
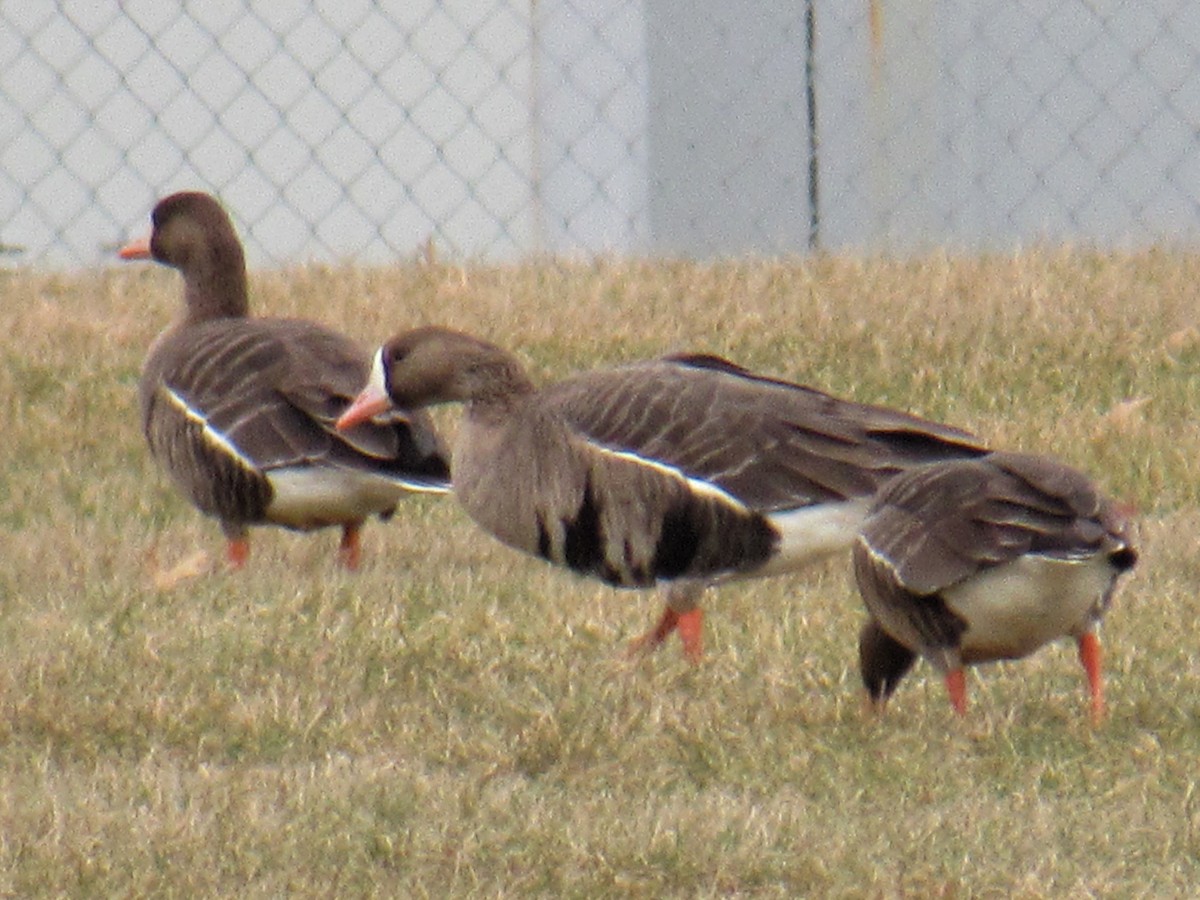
column 211, row 435
column 812, row 532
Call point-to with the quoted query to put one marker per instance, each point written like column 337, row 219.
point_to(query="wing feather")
column 773, row 444
column 937, row 525
column 271, row 389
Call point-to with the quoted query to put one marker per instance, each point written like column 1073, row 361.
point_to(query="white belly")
column 312, row 498
column 1017, row 607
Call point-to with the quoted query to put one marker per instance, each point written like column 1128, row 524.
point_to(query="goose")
column 686, row 470
column 240, row 411
column 973, row 560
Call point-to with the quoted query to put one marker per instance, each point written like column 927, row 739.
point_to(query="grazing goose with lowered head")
column 686, row 470
column 240, row 411
column 974, row 560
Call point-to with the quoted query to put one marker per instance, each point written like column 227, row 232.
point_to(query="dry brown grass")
column 458, row 720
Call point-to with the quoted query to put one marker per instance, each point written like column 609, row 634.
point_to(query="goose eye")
column 400, row 351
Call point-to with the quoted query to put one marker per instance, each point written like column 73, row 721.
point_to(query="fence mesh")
column 362, row 130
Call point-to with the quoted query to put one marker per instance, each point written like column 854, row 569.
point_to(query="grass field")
column 458, row 720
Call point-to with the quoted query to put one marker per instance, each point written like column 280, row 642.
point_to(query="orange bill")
column 369, row 403
column 137, row 249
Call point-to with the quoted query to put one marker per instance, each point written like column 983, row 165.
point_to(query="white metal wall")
column 361, row 129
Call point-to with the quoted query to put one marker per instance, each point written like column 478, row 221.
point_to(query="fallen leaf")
column 1122, row 416
column 1183, row 339
column 191, row 566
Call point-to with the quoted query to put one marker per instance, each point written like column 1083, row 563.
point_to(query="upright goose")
column 974, row 560
column 685, row 470
column 240, row 411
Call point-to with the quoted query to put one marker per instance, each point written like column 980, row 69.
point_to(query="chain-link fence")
column 362, row 130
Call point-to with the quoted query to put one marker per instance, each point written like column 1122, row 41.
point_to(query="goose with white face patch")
column 976, row 560
column 240, row 411
column 685, row 470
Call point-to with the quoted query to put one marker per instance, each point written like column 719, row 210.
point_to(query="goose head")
column 435, row 365
column 191, row 232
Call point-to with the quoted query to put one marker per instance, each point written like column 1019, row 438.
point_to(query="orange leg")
column 652, row 639
column 350, row 550
column 691, row 632
column 1089, row 655
column 237, row 551
column 956, row 686
column 690, row 625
